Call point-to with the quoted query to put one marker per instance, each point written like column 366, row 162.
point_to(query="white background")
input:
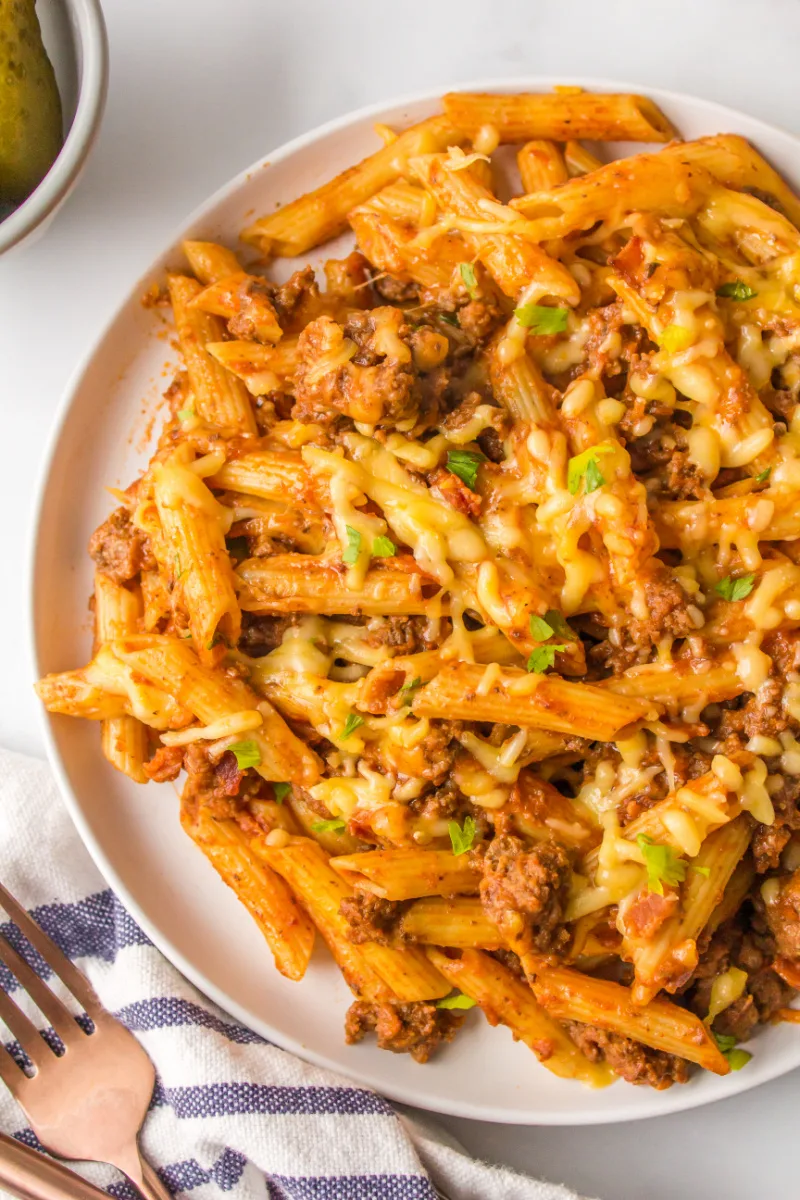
column 201, row 88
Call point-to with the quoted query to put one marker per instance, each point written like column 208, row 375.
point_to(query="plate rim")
column 679, row 1099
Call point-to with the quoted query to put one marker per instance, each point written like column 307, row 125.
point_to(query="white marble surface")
column 200, row 89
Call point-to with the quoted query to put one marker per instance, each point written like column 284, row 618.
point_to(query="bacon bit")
column 790, row 972
column 165, row 765
column 228, row 775
column 645, row 915
column 454, row 491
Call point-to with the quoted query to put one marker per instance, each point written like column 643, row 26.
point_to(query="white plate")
column 133, row 834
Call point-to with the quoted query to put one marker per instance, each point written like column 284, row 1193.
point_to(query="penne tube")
column 404, row 874
column 662, row 183
column 596, row 116
column 373, row 972
column 579, row 160
column 210, row 261
column 261, row 369
column 322, row 214
column 679, row 684
column 520, row 386
column 332, row 841
column 668, row 959
column 689, row 525
column 192, row 551
column 243, row 301
column 220, row 399
column 568, row 995
column 541, row 165
column 299, row 583
column 117, row 612
column 271, row 474
column 285, row 925
column 211, row 694
column 460, row 922
column 539, row 701
column 393, row 248
column 735, row 893
column 507, row 1000
column 734, row 162
column 514, row 262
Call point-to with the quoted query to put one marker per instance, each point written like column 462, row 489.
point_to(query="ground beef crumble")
column 630, row 1060
column 417, row 1029
column 371, row 918
column 119, row 549
column 530, row 883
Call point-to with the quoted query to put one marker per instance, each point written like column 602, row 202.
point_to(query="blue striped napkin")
column 231, row 1113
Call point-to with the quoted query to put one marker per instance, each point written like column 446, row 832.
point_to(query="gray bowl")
column 75, row 36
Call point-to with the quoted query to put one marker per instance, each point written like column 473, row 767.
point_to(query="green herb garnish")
column 541, row 628
column 334, row 825
column 541, row 318
column 464, row 464
column 351, row 724
column 663, row 864
column 247, row 754
column 558, row 623
column 706, row 871
column 737, row 290
column 762, row 476
column 543, row 657
column 468, row 277
column 584, row 466
column 458, row 1000
column 449, row 319
column 462, row 838
column 281, row 791
column 738, row 588
column 353, row 548
column 406, row 690
column 185, row 413
column 383, row 547
column 726, row 1043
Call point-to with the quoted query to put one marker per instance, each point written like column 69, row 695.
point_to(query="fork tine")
column 11, row 1073
column 69, row 974
column 46, row 1001
column 22, row 1028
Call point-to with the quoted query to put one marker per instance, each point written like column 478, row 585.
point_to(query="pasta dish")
column 462, row 590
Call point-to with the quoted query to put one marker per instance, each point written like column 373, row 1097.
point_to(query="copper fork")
column 88, row 1103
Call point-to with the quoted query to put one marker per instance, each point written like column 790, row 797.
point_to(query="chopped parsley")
column 663, row 864
column 184, row 414
column 468, row 278
column 543, row 657
column 706, row 871
column 736, row 290
column 558, row 623
column 462, row 838
column 281, row 791
column 457, row 1000
column 215, row 641
column 351, row 724
column 762, row 476
column 383, row 547
column 407, row 690
column 738, row 588
column 541, row 628
column 449, row 319
column 584, row 467
column 541, row 318
column 334, row 825
column 353, row 548
column 247, row 754
column 726, row 1043
column 178, row 569
column 464, row 464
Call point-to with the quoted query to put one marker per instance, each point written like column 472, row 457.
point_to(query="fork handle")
column 151, row 1186
column 29, row 1175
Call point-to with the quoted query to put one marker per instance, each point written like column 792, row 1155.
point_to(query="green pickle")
column 30, row 106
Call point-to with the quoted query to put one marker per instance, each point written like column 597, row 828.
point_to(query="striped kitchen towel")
column 231, row 1113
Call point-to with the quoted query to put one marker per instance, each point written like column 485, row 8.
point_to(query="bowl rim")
column 684, row 1099
column 90, row 42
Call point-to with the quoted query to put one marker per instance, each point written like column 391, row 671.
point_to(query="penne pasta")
column 596, row 116
column 404, row 874
column 211, row 262
column 289, row 583
column 541, row 165
column 117, row 612
column 461, row 923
